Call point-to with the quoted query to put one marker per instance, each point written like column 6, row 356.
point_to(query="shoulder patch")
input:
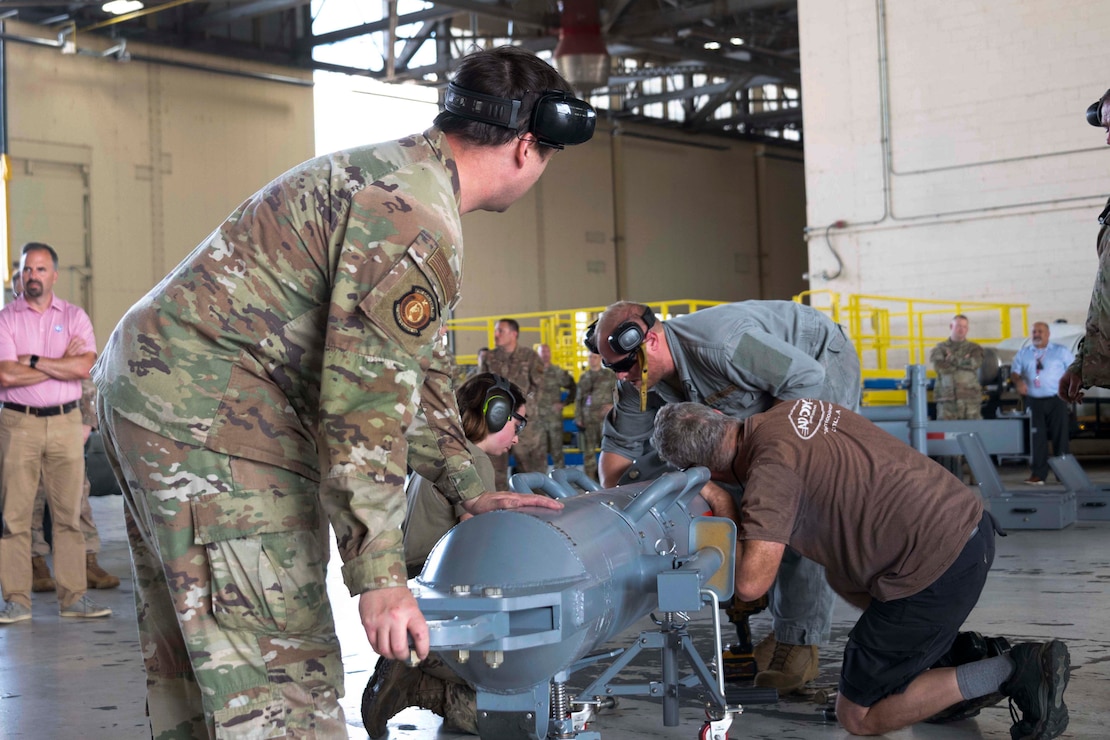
column 415, row 310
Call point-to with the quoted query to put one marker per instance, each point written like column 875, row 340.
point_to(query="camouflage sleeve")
column 1092, row 357
column 374, row 362
column 570, row 386
column 88, row 404
column 436, row 439
column 941, row 359
column 535, row 378
column 585, row 386
column 366, row 402
column 973, row 359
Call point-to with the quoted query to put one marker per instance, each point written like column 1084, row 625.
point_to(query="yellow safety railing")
column 888, row 332
column 561, row 330
column 891, row 332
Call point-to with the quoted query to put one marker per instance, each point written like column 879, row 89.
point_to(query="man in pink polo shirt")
column 46, row 348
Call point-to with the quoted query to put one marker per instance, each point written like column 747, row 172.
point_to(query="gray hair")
column 688, row 434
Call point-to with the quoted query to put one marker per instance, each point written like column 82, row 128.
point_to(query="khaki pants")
column 50, row 449
column 40, row 548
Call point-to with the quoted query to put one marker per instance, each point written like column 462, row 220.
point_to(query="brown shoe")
column 41, row 580
column 96, row 576
column 791, row 666
column 764, row 651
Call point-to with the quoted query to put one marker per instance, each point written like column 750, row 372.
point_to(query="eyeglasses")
column 521, row 422
column 624, row 365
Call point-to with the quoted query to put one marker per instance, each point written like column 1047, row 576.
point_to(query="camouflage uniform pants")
column 235, row 626
column 551, row 438
column 39, row 546
column 589, row 440
column 530, row 452
column 957, row 410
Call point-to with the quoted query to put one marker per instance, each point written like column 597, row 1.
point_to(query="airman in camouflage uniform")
column 595, row 397
column 1092, row 361
column 278, row 373
column 520, row 365
column 547, row 415
column 958, row 393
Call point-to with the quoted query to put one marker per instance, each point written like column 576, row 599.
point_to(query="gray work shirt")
column 738, row 358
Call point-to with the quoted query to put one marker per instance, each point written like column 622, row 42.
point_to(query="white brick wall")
column 996, row 179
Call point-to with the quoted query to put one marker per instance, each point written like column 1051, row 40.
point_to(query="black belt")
column 65, row 408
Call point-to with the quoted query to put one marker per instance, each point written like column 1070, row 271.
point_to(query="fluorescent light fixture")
column 712, row 45
column 119, row 7
column 736, row 41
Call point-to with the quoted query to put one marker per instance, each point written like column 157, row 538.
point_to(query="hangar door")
column 49, row 202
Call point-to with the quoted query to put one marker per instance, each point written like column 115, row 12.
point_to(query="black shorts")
column 894, row 642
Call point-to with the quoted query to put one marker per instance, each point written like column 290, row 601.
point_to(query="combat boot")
column 968, row 648
column 791, row 666
column 763, row 652
column 395, row 687
column 41, row 580
column 461, row 709
column 96, row 576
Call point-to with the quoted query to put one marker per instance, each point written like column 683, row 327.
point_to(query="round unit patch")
column 415, row 310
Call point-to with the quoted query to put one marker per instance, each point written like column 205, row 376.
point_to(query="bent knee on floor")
column 854, row 718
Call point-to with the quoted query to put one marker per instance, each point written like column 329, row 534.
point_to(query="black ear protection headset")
column 1094, row 114
column 629, row 335
column 590, row 338
column 558, row 119
column 1094, row 117
column 499, row 404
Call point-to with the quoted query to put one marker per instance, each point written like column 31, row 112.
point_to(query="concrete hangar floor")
column 85, row 679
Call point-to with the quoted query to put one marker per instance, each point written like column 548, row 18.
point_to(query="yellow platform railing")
column 561, row 330
column 888, row 332
column 891, row 332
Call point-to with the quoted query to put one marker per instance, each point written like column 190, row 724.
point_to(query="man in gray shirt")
column 738, row 358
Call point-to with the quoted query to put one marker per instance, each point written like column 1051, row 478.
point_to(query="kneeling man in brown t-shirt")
column 900, row 537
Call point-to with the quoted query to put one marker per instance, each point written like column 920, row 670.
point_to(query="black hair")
column 40, row 247
column 505, row 72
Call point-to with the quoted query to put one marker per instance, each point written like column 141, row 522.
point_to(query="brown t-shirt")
column 881, row 517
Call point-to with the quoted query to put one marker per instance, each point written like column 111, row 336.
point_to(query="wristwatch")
column 34, row 360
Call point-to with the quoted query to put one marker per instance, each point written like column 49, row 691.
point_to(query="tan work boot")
column 96, row 576
column 763, row 652
column 41, row 580
column 791, row 666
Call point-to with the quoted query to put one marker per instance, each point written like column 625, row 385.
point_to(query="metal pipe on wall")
column 5, row 165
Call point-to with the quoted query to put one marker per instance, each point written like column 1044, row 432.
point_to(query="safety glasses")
column 521, row 422
column 623, row 366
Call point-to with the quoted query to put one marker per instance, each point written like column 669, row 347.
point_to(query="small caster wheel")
column 706, row 732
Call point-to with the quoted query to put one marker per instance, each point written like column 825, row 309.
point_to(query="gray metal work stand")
column 1016, row 509
column 1093, row 501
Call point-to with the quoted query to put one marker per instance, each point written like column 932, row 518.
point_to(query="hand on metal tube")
column 495, row 501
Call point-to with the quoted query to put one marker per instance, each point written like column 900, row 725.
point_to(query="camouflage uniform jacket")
column 303, row 333
column 595, row 392
column 957, row 365
column 522, row 366
column 555, row 381
column 1092, row 360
